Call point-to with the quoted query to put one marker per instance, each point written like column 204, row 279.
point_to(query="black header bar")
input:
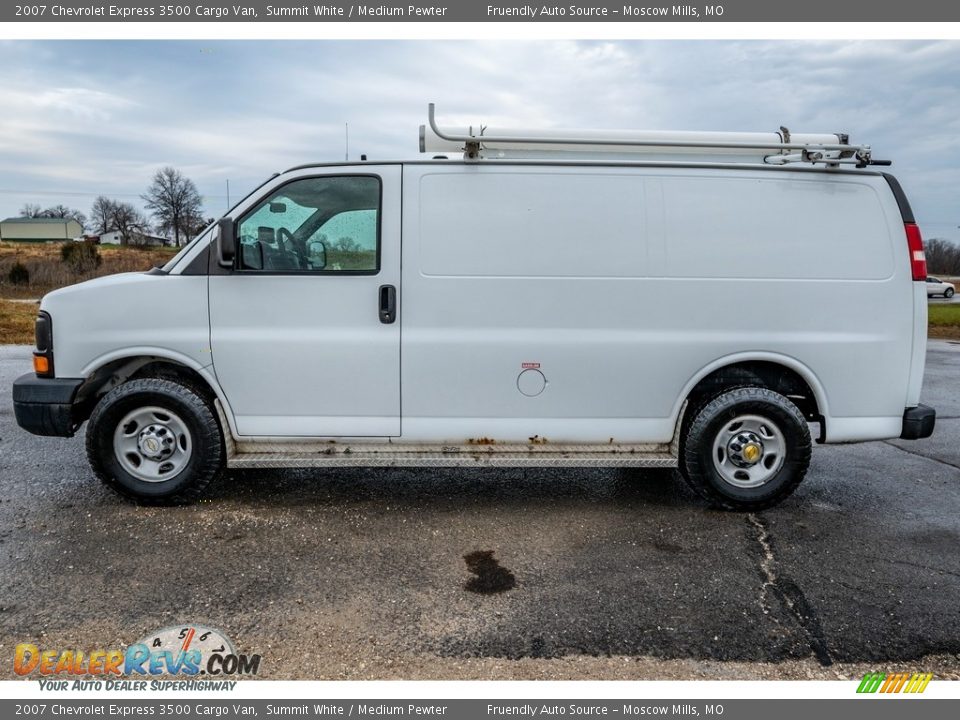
column 824, row 11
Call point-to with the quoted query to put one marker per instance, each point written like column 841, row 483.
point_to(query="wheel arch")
column 773, row 371
column 109, row 372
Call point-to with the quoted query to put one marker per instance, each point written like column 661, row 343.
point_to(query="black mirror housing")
column 226, row 242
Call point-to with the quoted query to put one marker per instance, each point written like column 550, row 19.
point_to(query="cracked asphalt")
column 550, row 574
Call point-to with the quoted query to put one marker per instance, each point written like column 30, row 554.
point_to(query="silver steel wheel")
column 748, row 451
column 152, row 444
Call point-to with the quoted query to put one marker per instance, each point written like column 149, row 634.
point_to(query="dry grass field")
column 16, row 322
column 944, row 321
column 49, row 272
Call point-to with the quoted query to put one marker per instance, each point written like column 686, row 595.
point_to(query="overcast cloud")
column 83, row 118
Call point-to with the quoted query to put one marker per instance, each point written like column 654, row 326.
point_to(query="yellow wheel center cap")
column 751, row 452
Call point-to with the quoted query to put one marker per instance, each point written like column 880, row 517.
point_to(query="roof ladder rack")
column 779, row 148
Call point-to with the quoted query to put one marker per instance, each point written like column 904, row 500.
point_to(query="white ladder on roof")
column 777, row 148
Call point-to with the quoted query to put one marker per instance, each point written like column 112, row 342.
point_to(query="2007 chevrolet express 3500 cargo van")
column 596, row 299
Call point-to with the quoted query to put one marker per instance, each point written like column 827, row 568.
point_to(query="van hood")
column 107, row 285
column 131, row 314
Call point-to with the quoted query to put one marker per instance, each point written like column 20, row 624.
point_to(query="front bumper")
column 44, row 406
column 918, row 422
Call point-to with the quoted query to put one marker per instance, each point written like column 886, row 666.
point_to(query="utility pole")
column 346, row 142
column 228, row 193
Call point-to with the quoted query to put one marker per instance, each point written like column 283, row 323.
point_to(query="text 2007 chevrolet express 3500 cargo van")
column 603, row 299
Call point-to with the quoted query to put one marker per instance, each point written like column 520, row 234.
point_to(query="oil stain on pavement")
column 490, row 576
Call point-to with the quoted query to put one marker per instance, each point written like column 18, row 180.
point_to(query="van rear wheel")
column 746, row 449
column 155, row 440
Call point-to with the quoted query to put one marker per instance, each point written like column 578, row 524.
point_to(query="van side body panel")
column 623, row 286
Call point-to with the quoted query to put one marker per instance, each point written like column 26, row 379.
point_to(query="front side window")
column 319, row 224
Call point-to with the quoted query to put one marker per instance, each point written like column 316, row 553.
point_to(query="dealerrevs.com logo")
column 177, row 650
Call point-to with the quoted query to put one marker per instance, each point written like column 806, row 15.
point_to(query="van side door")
column 304, row 327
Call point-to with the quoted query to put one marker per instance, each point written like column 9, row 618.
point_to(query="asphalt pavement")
column 459, row 573
column 939, row 300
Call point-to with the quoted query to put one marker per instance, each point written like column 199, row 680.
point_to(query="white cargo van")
column 603, row 299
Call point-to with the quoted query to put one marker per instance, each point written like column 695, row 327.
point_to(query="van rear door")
column 305, row 342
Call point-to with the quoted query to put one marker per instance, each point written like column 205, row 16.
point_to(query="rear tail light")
column 918, row 261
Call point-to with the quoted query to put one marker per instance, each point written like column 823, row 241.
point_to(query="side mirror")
column 251, row 256
column 317, row 254
column 226, row 240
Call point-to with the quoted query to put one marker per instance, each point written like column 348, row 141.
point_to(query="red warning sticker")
column 530, row 366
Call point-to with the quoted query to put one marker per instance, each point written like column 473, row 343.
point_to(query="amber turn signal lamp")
column 41, row 364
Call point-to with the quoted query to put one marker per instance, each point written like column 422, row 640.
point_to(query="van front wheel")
column 155, row 441
column 747, row 449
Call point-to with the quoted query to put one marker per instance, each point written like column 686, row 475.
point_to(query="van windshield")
column 172, row 262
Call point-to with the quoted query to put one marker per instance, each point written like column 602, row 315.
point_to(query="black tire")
column 787, row 467
column 948, row 293
column 194, row 416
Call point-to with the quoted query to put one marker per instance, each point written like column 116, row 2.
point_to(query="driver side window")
column 314, row 225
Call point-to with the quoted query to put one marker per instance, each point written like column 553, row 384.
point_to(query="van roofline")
column 595, row 163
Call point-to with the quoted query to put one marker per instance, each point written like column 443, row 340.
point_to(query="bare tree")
column 199, row 224
column 347, row 244
column 101, row 214
column 175, row 203
column 943, row 256
column 67, row 213
column 31, row 210
column 129, row 222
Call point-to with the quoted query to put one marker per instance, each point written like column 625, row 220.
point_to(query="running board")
column 396, row 455
column 479, row 453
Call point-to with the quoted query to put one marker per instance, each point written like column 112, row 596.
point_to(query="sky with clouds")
column 84, row 118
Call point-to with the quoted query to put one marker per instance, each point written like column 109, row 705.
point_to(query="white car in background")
column 936, row 286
